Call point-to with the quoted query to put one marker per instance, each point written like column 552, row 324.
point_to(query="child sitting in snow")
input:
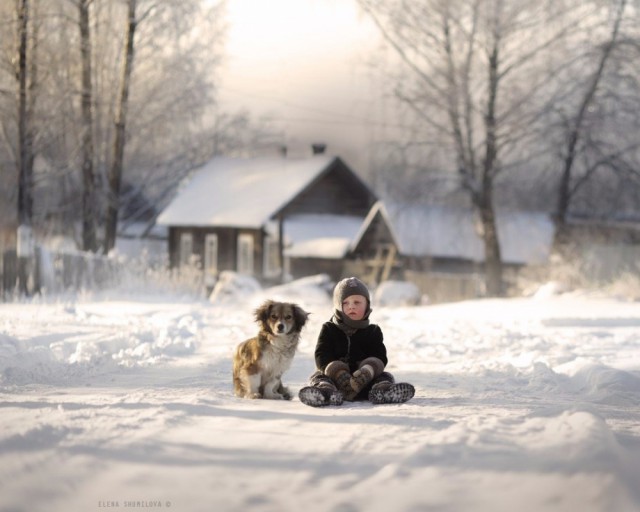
column 350, row 355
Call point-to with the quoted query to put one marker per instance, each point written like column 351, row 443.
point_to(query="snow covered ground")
column 124, row 401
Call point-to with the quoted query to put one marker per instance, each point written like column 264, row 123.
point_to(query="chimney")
column 318, row 148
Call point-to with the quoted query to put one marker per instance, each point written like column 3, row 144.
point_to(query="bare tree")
column 91, row 144
column 575, row 130
column 171, row 89
column 25, row 140
column 473, row 74
column 89, row 198
column 115, row 173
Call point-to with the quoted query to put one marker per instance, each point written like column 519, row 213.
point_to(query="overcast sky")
column 303, row 63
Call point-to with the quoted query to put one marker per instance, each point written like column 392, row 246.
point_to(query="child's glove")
column 338, row 372
column 343, row 382
column 361, row 377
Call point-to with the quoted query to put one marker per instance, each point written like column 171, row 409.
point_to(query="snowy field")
column 124, row 401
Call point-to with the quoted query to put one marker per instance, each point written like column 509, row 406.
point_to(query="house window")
column 271, row 257
column 186, row 248
column 245, row 254
column 211, row 255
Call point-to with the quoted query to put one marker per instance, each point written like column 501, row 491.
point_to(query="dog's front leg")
column 252, row 385
column 271, row 390
column 285, row 392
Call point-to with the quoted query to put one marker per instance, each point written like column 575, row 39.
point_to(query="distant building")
column 278, row 217
column 442, row 250
column 448, row 239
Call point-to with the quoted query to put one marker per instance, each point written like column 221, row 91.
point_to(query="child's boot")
column 320, row 396
column 391, row 393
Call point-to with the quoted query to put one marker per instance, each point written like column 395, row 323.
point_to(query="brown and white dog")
column 259, row 362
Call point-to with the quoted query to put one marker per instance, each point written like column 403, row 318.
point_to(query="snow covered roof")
column 320, row 235
column 241, row 192
column 525, row 237
column 377, row 209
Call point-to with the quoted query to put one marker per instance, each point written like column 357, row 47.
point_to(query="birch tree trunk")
column 25, row 142
column 493, row 260
column 115, row 172
column 89, row 199
column 25, row 179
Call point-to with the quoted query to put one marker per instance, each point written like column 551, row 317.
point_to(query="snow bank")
column 77, row 341
column 397, row 293
column 233, row 288
column 608, row 385
column 312, row 293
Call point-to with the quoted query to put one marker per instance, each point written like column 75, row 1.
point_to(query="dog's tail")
column 238, row 388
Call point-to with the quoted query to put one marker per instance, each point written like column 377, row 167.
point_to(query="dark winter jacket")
column 333, row 345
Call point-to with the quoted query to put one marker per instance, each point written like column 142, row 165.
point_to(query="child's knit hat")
column 346, row 288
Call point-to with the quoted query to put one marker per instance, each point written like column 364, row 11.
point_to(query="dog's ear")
column 262, row 313
column 300, row 315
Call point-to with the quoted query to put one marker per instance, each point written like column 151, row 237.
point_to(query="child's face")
column 355, row 306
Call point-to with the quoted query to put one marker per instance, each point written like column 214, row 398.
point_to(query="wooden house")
column 274, row 218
